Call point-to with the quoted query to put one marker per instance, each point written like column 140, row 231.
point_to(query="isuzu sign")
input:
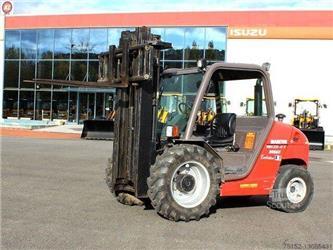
column 247, row 32
column 7, row 7
column 280, row 32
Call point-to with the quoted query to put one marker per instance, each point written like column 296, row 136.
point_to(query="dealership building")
column 298, row 44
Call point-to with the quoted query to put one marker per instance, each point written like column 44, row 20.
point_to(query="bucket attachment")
column 98, row 130
column 316, row 138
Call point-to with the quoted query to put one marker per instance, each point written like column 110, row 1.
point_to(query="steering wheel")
column 184, row 108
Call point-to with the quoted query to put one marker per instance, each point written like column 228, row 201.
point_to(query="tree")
column 211, row 44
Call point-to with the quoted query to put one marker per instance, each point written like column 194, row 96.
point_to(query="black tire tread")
column 158, row 187
column 285, row 172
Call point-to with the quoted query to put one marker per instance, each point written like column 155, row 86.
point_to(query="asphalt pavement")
column 53, row 196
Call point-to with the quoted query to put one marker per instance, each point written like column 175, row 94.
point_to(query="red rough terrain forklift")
column 182, row 165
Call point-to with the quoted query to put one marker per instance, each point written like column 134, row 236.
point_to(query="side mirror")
column 290, row 104
column 241, row 104
column 325, row 106
column 228, row 102
column 274, row 103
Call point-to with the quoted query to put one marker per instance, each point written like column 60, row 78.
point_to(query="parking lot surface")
column 54, row 196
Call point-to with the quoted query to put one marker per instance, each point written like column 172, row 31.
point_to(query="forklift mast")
column 133, row 69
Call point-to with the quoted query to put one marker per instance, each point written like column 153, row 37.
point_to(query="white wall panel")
column 299, row 68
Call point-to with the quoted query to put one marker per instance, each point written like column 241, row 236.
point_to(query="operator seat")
column 222, row 130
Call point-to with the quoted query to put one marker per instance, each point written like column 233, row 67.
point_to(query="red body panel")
column 283, row 143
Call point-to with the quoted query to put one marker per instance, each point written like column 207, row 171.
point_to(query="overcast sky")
column 106, row 6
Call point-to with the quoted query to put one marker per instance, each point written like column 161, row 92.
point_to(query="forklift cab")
column 231, row 134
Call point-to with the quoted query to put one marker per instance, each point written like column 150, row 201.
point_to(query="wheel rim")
column 195, row 180
column 296, row 190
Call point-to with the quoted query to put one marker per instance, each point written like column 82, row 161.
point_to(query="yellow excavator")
column 306, row 118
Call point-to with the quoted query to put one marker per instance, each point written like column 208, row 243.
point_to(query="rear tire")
column 184, row 183
column 293, row 189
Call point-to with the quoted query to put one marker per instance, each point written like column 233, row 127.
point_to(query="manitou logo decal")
column 247, row 32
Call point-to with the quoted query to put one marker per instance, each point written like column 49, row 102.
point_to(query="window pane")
column 109, row 105
column 176, row 37
column 114, row 35
column 9, row 104
column 191, row 83
column 27, row 73
column 27, row 104
column 83, row 107
column 190, row 64
column 11, row 74
column 12, row 44
column 158, row 31
column 62, row 43
column 79, row 71
column 99, row 105
column 43, row 105
column 59, row 106
column 194, row 43
column 168, row 65
column 80, row 42
column 72, row 106
column 45, row 44
column 28, row 44
column 245, row 96
column 61, row 70
column 44, row 71
column 97, row 42
column 215, row 43
column 90, row 105
column 93, row 71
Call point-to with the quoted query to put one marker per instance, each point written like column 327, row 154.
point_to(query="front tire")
column 293, row 189
column 184, row 183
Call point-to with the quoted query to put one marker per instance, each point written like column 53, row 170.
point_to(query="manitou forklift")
column 183, row 166
column 306, row 118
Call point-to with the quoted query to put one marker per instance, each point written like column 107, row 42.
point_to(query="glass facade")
column 72, row 54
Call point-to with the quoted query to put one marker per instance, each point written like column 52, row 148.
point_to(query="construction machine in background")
column 306, row 118
column 251, row 106
column 181, row 163
column 100, row 128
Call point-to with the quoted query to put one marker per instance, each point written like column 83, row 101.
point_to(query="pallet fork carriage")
column 183, row 165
